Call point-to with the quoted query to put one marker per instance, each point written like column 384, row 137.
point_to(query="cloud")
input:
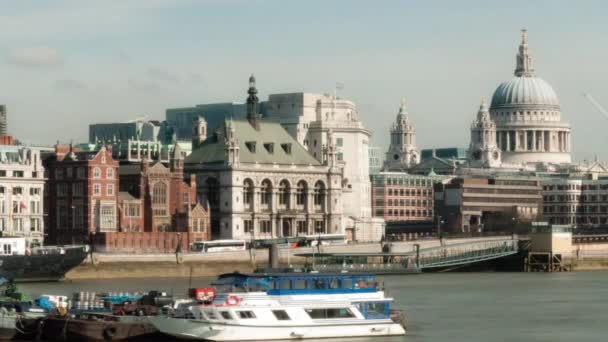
column 161, row 74
column 40, row 57
column 70, row 84
column 143, row 85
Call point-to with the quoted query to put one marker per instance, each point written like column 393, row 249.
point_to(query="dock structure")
column 447, row 256
column 550, row 247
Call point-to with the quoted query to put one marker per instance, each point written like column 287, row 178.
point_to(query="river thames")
column 451, row 306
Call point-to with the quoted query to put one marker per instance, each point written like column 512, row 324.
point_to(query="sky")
column 67, row 63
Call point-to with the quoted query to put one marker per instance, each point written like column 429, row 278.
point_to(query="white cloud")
column 39, row 56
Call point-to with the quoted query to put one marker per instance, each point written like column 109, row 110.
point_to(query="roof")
column 126, row 196
column 213, row 149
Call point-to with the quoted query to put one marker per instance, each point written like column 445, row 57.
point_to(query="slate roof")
column 213, row 149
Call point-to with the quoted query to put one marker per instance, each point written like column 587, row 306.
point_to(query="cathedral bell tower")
column 483, row 151
column 199, row 132
column 403, row 152
column 253, row 107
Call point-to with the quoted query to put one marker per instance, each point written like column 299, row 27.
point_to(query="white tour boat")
column 286, row 306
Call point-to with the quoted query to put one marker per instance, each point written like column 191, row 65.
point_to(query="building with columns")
column 402, row 152
column 260, row 182
column 526, row 110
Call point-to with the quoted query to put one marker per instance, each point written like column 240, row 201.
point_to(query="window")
column 284, row 194
column 17, row 190
column 97, row 189
column 2, row 224
column 286, row 148
column 96, row 172
column 110, row 189
column 103, row 159
column 301, row 194
column 265, row 227
column 246, row 314
column 59, row 173
column 225, row 315
column 18, row 174
column 248, row 226
column 248, row 194
column 80, row 172
column 197, row 225
column 107, row 217
column 35, row 207
column 77, row 189
column 62, row 214
column 319, row 195
column 329, row 313
column 159, row 199
column 68, row 172
column 110, row 173
column 34, row 191
column 2, row 190
column 339, row 142
column 62, row 189
column 17, row 207
column 281, row 315
column 2, row 173
column 250, row 146
column 302, row 228
column 35, row 225
column 78, row 213
column 17, row 224
column 319, row 226
column 269, row 147
column 210, row 314
column 377, row 310
column 340, row 156
column 266, row 194
column 132, row 210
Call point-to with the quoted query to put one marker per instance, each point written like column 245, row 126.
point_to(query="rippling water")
column 453, row 306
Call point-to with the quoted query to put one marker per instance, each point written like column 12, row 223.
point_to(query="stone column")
column 534, row 147
column 499, row 139
column 508, row 136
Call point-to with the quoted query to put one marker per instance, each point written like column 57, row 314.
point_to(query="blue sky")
column 65, row 64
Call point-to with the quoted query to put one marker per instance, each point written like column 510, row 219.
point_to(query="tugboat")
column 49, row 263
column 285, row 307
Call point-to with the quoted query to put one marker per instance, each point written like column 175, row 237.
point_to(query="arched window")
column 96, row 172
column 266, row 194
column 301, row 195
column 284, row 193
column 159, row 199
column 319, row 196
column 248, row 194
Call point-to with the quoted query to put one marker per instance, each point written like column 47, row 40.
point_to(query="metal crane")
column 596, row 104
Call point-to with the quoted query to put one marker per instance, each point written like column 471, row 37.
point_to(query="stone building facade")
column 483, row 151
column 261, row 183
column 576, row 201
column 22, row 194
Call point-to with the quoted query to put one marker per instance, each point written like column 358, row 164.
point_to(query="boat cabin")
column 298, row 283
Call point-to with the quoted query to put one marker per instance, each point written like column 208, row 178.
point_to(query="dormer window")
column 250, row 146
column 269, row 147
column 286, row 148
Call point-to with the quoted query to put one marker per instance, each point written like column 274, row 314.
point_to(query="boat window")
column 246, row 314
column 281, row 315
column 330, row 313
column 272, row 284
column 299, row 284
column 319, row 284
column 210, row 314
column 347, row 283
column 334, row 284
column 285, row 284
column 376, row 310
column 201, row 315
column 226, row 315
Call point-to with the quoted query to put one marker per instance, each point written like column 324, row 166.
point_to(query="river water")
column 452, row 306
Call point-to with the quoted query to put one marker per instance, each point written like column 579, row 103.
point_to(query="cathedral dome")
column 524, row 90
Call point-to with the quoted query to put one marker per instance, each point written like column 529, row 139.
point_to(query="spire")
column 483, row 113
column 402, row 109
column 524, row 60
column 253, row 113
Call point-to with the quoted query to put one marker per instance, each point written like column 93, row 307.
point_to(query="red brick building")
column 154, row 207
column 81, row 194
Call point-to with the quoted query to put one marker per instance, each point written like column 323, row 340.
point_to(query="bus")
column 326, row 239
column 219, row 246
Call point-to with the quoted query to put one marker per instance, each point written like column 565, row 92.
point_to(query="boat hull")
column 40, row 267
column 65, row 329
column 204, row 330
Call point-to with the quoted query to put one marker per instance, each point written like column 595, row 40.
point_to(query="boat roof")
column 320, row 255
column 239, row 279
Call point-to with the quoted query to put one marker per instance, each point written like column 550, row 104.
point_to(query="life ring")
column 233, row 300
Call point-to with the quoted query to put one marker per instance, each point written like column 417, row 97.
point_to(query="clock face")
column 396, row 156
